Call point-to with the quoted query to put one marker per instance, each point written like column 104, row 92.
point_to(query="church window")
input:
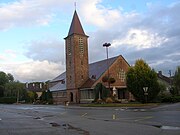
column 69, row 46
column 81, row 62
column 70, row 63
column 70, row 78
column 81, row 47
column 87, row 94
column 121, row 75
column 82, row 77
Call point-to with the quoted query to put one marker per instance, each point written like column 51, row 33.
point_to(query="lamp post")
column 18, row 96
column 107, row 45
column 145, row 92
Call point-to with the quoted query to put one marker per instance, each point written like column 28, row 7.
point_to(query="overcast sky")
column 32, row 32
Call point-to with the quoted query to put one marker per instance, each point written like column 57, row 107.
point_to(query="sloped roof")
column 164, row 78
column 58, row 87
column 76, row 27
column 96, row 69
column 60, row 77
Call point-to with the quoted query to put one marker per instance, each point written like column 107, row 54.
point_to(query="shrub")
column 109, row 100
column 170, row 99
column 8, row 100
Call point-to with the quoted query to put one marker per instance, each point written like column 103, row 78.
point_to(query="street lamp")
column 107, row 45
column 145, row 92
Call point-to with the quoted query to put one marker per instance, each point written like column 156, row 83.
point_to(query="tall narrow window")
column 69, row 63
column 82, row 77
column 81, row 46
column 69, row 46
column 70, row 78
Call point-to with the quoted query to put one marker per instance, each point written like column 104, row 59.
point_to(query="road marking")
column 0, row 119
column 144, row 118
column 84, row 115
column 63, row 113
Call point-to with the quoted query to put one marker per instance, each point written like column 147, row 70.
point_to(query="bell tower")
column 77, row 67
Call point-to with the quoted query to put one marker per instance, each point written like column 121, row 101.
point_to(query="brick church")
column 76, row 84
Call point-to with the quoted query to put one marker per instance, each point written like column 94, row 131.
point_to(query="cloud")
column 48, row 49
column 34, row 70
column 30, row 12
column 153, row 36
column 2, row 57
column 22, row 13
column 140, row 39
column 102, row 16
column 8, row 55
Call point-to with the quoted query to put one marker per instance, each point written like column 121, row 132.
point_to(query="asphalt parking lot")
column 75, row 120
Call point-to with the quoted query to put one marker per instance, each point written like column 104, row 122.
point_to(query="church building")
column 76, row 84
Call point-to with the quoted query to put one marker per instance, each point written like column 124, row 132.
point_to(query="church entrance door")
column 71, row 97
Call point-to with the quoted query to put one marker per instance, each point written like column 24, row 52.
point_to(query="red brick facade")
column 77, row 66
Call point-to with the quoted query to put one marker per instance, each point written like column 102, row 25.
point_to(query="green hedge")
column 170, row 99
column 8, row 100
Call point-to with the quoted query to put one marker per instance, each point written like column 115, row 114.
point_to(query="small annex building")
column 76, row 84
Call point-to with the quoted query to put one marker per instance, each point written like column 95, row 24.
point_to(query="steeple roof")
column 76, row 27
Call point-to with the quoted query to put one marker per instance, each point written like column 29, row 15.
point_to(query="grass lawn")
column 120, row 105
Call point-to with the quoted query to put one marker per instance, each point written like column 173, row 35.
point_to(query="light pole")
column 145, row 92
column 107, row 45
column 18, row 96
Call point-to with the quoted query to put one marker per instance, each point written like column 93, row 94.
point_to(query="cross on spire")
column 75, row 5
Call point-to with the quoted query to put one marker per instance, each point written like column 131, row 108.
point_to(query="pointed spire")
column 76, row 27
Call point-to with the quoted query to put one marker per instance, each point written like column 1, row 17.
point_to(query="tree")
column 15, row 89
column 3, row 81
column 47, row 97
column 100, row 92
column 176, row 81
column 31, row 96
column 139, row 77
column 10, row 77
column 162, row 88
column 109, row 80
column 3, row 78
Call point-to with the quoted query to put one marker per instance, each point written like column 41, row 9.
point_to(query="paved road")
column 74, row 120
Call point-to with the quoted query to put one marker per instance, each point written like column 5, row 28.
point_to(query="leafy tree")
column 173, row 91
column 10, row 77
column 3, row 81
column 140, row 76
column 47, row 97
column 101, row 90
column 15, row 89
column 109, row 80
column 162, row 88
column 1, row 91
column 176, row 81
column 31, row 96
column 105, row 79
column 3, row 78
